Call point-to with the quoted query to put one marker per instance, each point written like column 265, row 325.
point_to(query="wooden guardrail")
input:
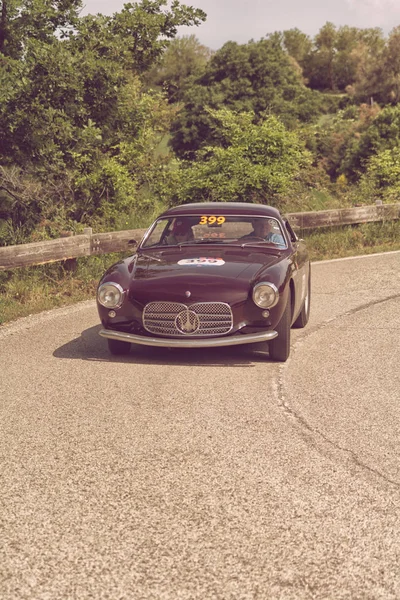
column 344, row 216
column 88, row 244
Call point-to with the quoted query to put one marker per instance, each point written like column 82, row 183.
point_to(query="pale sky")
column 242, row 20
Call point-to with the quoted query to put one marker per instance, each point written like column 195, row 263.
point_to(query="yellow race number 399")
column 211, row 220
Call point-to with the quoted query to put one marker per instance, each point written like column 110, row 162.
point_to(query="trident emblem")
column 187, row 321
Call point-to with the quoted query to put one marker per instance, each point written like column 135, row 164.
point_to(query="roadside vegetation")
column 107, row 120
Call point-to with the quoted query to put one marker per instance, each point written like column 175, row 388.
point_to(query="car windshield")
column 219, row 229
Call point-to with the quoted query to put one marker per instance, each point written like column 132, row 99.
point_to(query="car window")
column 221, row 229
column 157, row 233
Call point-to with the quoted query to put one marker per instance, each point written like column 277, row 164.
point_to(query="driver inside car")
column 181, row 232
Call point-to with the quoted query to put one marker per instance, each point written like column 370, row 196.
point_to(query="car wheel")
column 279, row 348
column 118, row 348
column 304, row 315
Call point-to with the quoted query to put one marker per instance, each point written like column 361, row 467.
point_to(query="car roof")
column 225, row 208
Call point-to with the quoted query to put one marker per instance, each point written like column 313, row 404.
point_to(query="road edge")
column 25, row 323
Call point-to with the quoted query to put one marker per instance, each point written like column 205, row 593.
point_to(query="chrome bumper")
column 235, row 340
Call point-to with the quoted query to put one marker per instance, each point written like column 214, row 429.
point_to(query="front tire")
column 279, row 348
column 118, row 348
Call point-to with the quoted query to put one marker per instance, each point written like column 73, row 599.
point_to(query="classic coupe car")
column 207, row 275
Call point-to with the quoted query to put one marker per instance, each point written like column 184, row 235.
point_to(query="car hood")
column 203, row 272
column 232, row 263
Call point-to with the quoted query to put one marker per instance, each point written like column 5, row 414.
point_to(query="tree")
column 297, row 44
column 253, row 163
column 383, row 173
column 382, row 133
column 337, row 137
column 358, row 53
column 339, row 57
column 23, row 20
column 81, row 129
column 183, row 59
column 78, row 131
column 137, row 35
column 257, row 77
column 319, row 65
column 387, row 73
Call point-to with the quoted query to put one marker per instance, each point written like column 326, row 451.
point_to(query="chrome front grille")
column 176, row 319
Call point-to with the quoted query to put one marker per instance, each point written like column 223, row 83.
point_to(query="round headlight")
column 265, row 295
column 110, row 295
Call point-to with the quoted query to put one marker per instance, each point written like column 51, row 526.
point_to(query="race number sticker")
column 202, row 262
column 211, row 220
column 214, row 235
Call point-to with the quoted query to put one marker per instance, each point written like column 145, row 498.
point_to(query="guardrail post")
column 92, row 242
column 69, row 264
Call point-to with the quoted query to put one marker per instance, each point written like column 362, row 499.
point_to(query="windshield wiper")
column 271, row 244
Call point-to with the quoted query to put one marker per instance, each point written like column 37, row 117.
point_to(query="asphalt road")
column 206, row 474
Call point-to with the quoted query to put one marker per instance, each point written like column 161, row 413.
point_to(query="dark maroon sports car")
column 206, row 275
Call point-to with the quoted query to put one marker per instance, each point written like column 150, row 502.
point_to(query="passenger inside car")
column 263, row 228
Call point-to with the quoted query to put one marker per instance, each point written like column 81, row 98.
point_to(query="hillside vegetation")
column 87, row 105
column 107, row 120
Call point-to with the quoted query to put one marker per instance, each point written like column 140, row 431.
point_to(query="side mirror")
column 292, row 234
column 132, row 243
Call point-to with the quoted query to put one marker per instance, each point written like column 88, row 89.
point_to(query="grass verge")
column 35, row 289
column 355, row 240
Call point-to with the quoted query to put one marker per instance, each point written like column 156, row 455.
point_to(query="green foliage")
column 65, row 166
column 183, row 59
column 380, row 75
column 253, row 163
column 83, row 131
column 257, row 77
column 351, row 241
column 337, row 137
column 380, row 133
column 338, row 58
column 137, row 36
column 78, row 130
column 297, row 44
column 34, row 20
column 382, row 176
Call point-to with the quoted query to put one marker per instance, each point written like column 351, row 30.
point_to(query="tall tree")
column 78, row 131
column 184, row 58
column 382, row 133
column 253, row 163
column 389, row 68
column 138, row 34
column 319, row 67
column 21, row 20
column 297, row 44
column 340, row 56
column 257, row 77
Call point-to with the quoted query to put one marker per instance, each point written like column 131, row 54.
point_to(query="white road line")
column 330, row 260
